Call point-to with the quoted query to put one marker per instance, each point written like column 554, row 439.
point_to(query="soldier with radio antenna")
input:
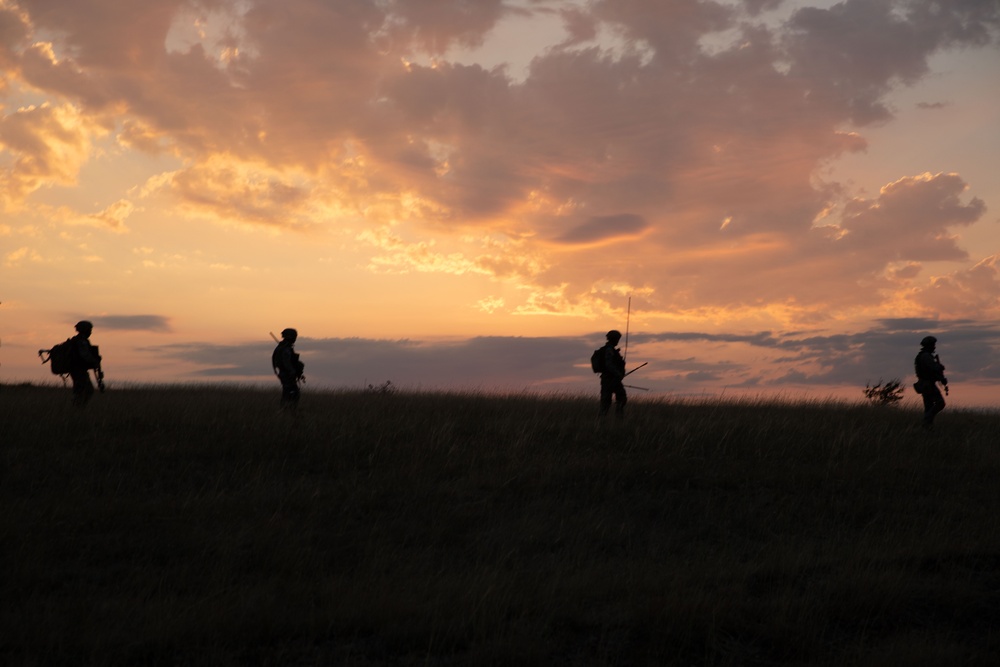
column 612, row 370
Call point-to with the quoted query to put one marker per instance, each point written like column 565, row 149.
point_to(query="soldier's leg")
column 938, row 402
column 289, row 395
column 621, row 398
column 607, row 390
column 83, row 388
column 933, row 404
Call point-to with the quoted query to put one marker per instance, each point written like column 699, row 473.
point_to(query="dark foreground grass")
column 197, row 526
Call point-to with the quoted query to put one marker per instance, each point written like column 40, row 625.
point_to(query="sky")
column 774, row 197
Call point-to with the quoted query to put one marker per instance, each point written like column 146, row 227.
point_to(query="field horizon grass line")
column 201, row 525
column 724, row 397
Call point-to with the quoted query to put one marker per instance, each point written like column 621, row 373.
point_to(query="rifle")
column 275, row 339
column 100, row 378
column 98, row 372
column 944, row 380
column 635, row 369
column 633, row 387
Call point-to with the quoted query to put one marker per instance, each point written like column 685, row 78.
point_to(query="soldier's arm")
column 87, row 356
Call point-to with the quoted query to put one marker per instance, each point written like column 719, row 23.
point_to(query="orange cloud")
column 48, row 144
column 653, row 161
column 966, row 293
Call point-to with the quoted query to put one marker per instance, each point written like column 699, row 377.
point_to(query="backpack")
column 597, row 360
column 60, row 357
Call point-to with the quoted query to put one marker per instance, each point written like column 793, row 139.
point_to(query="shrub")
column 383, row 389
column 888, row 393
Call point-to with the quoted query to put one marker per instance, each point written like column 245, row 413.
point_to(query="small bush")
column 383, row 389
column 890, row 393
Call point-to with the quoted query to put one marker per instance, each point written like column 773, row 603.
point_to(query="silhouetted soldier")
column 83, row 358
column 612, row 375
column 929, row 373
column 288, row 368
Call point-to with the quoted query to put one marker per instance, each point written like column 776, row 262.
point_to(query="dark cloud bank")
column 885, row 350
column 152, row 323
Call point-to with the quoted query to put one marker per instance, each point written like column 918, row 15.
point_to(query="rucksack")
column 597, row 360
column 60, row 358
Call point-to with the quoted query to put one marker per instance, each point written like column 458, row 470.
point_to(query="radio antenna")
column 628, row 317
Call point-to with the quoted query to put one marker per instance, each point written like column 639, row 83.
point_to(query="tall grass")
column 199, row 525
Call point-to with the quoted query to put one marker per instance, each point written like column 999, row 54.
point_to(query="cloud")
column 760, row 339
column 872, row 251
column 48, row 144
column 113, row 217
column 152, row 323
column 482, row 362
column 912, row 217
column 679, row 362
column 249, row 360
column 965, row 292
column 15, row 258
column 606, row 228
column 435, row 25
column 757, row 6
column 830, row 360
column 703, row 165
column 853, row 52
column 14, row 35
column 230, row 190
column 502, row 260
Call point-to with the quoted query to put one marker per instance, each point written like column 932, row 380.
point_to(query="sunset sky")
column 467, row 193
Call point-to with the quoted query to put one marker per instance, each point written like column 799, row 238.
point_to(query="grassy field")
column 198, row 526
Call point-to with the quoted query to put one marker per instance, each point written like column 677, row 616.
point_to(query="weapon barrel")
column 635, row 369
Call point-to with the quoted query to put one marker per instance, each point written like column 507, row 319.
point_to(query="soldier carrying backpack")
column 76, row 357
